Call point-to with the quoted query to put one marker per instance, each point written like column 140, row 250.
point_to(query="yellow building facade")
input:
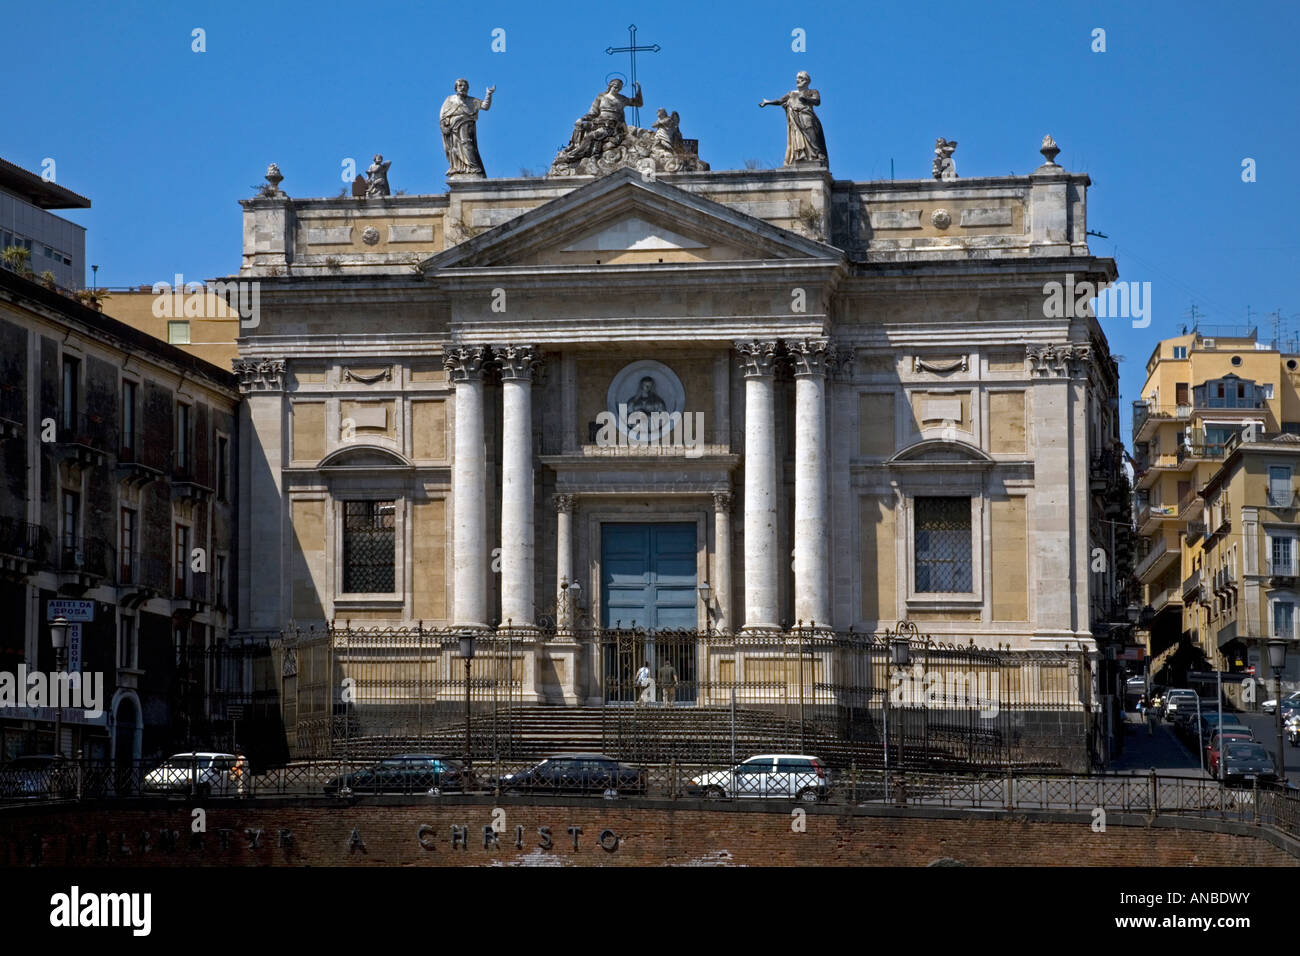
column 1215, row 410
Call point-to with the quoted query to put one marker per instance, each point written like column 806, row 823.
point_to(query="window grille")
column 943, row 545
column 369, row 547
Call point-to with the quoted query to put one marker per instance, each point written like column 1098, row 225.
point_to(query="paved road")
column 1164, row 751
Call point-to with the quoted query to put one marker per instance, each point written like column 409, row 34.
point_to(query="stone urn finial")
column 1049, row 149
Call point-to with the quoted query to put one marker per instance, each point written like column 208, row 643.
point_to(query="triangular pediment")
column 622, row 219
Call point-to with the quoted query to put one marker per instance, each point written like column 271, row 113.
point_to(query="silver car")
column 790, row 776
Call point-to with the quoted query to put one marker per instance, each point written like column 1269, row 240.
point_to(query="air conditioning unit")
column 1207, row 343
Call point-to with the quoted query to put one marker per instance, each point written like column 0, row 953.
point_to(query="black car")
column 403, row 773
column 576, row 773
column 1247, row 762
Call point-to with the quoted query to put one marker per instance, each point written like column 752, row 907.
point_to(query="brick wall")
column 396, row 834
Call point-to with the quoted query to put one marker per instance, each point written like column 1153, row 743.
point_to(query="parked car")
column 1181, row 700
column 1270, row 706
column 1212, row 746
column 36, row 776
column 1246, row 763
column 1195, row 732
column 403, row 773
column 796, row 776
column 202, row 772
column 580, row 773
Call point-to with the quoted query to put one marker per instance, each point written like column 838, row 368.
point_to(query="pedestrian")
column 238, row 773
column 668, row 682
column 1151, row 721
column 647, row 693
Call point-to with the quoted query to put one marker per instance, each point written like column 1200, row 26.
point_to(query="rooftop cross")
column 632, row 50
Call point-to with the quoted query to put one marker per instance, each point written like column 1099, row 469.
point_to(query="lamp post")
column 59, row 640
column 900, row 655
column 705, row 593
column 1277, row 661
column 467, row 654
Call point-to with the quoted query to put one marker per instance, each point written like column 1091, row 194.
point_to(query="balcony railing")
column 85, row 556
column 1144, row 411
column 1282, row 569
column 1283, row 499
column 193, row 586
column 22, row 539
column 1191, row 584
column 144, row 571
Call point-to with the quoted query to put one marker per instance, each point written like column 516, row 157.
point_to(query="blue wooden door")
column 648, row 576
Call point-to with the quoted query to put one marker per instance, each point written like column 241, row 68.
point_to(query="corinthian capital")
column 465, row 363
column 259, row 375
column 758, row 358
column 812, row 357
column 518, row 362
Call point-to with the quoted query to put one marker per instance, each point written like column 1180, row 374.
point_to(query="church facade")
column 728, row 402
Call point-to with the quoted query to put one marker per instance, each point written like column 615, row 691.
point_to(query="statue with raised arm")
column 377, row 177
column 804, row 141
column 458, row 120
column 603, row 142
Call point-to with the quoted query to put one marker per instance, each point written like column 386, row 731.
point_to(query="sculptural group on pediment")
column 602, row 140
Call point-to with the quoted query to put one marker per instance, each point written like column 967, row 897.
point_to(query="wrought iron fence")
column 345, row 780
column 655, row 696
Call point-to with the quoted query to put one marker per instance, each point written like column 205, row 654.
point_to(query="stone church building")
column 720, row 401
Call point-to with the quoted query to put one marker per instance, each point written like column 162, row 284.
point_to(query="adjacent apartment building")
column 1216, row 439
column 117, row 453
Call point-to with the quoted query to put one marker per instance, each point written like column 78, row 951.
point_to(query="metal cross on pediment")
column 632, row 49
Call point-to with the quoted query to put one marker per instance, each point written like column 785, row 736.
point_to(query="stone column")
column 811, row 500
column 468, row 489
column 762, row 558
column 564, row 609
column 722, row 559
column 517, row 559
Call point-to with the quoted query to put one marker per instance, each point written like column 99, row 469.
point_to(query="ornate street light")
column 59, row 641
column 705, row 593
column 467, row 654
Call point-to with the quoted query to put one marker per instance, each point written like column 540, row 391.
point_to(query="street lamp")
column 59, row 640
column 467, row 654
column 705, row 592
column 1277, row 661
column 900, row 655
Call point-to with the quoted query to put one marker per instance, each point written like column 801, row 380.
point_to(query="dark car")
column 403, row 773
column 1246, row 763
column 38, row 776
column 576, row 773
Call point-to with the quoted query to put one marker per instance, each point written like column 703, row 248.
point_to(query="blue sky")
column 165, row 140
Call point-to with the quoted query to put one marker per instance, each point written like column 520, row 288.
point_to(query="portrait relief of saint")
column 646, row 398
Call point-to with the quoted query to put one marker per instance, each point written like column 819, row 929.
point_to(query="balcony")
column 81, row 442
column 23, row 546
column 1283, row 500
column 1191, row 585
column 83, row 563
column 1156, row 561
column 187, row 483
column 132, row 471
column 1167, row 598
column 140, row 577
column 190, row 592
column 1150, row 517
column 1147, row 417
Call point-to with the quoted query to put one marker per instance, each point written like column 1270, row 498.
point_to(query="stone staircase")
column 653, row 734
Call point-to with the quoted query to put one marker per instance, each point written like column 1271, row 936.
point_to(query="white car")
column 790, row 776
column 1271, row 705
column 204, row 773
column 1175, row 700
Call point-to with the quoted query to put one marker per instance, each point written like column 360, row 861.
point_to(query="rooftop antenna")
column 1196, row 316
column 1277, row 326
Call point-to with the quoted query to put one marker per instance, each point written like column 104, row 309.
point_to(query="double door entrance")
column 649, row 586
